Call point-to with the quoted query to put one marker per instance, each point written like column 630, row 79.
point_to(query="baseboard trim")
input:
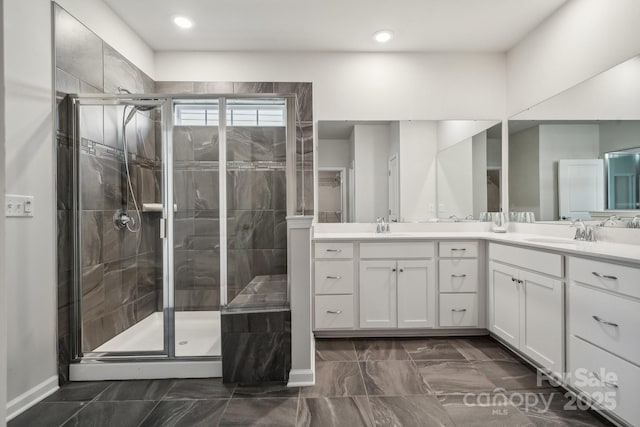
column 101, row 371
column 32, row 396
column 301, row 378
column 401, row 333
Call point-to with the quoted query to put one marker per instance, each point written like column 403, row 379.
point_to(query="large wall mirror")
column 577, row 155
column 408, row 171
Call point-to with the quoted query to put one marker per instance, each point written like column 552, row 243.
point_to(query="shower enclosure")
column 179, row 203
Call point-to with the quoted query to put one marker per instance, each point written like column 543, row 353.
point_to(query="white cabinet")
column 397, row 293
column 378, row 280
column 526, row 309
column 334, row 306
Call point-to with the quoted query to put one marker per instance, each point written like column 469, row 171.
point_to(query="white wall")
column 371, row 144
column 616, row 136
column 418, row 152
column 30, row 270
column 450, row 132
column 363, row 86
column 479, row 173
column 561, row 142
column 580, row 40
column 102, row 20
column 524, row 171
column 3, row 299
column 455, row 180
column 611, row 95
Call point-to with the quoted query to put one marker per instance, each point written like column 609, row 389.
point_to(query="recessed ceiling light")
column 383, row 36
column 182, row 21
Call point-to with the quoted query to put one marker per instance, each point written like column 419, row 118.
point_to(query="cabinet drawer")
column 586, row 359
column 587, row 305
column 543, row 262
column 616, row 278
column 458, row 310
column 404, row 250
column 334, row 250
column 334, row 311
column 334, row 277
column 458, row 249
column 458, row 275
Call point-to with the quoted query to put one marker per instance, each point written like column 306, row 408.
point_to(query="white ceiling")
column 335, row 25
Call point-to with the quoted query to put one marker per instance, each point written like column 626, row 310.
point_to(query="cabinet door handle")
column 334, row 250
column 334, row 277
column 458, row 275
column 458, row 249
column 521, row 281
column 605, row 383
column 401, row 270
column 604, row 276
column 458, row 310
column 393, row 269
column 334, row 311
column 513, row 279
column 604, row 322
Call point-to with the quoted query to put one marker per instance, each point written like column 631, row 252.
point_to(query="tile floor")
column 382, row 382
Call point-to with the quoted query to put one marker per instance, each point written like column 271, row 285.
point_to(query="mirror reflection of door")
column 394, row 189
column 331, row 195
column 493, row 189
column 580, row 187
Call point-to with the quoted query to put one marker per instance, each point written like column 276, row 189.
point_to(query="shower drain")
column 183, row 343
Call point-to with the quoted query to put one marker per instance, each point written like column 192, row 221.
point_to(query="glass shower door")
column 120, row 206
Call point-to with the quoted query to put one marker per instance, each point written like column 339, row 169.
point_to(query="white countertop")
column 606, row 250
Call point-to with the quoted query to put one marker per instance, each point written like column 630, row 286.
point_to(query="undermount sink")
column 551, row 240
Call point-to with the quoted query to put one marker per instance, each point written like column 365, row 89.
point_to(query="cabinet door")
column 541, row 322
column 378, row 294
column 504, row 302
column 416, row 294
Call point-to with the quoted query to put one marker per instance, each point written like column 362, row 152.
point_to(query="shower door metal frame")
column 166, row 222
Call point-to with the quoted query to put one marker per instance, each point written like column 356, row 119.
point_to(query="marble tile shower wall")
column 120, row 269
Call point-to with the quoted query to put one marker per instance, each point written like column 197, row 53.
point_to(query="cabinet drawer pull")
column 334, row 250
column 458, row 249
column 458, row 275
column 604, row 276
column 334, row 277
column 604, row 322
column 605, row 383
column 334, row 311
column 458, row 310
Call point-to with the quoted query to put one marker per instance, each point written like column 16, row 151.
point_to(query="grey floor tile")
column 108, row 414
column 453, row 377
column 335, row 350
column 78, row 391
column 46, row 414
column 186, row 413
column 431, row 349
column 199, row 388
column 334, row 411
column 467, row 411
column 392, row 378
column 276, row 390
column 482, row 349
column 152, row 390
column 510, row 375
column 380, row 350
column 408, row 411
column 334, row 379
column 271, row 411
column 555, row 410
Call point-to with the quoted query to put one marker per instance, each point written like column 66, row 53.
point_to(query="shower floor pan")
column 197, row 334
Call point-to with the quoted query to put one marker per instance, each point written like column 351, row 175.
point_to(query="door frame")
column 393, row 157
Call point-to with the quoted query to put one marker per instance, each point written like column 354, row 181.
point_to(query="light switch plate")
column 18, row 206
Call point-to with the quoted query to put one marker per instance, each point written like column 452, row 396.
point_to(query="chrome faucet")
column 635, row 222
column 583, row 232
column 382, row 226
column 612, row 219
column 454, row 218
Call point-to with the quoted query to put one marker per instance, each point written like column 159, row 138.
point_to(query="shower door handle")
column 163, row 228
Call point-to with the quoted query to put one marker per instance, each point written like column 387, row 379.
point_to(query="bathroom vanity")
column 570, row 308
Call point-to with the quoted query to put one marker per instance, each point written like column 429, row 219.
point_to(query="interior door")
column 378, row 294
column 394, row 189
column 580, row 187
column 504, row 303
column 416, row 294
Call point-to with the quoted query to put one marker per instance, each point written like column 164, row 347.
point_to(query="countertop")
column 620, row 252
